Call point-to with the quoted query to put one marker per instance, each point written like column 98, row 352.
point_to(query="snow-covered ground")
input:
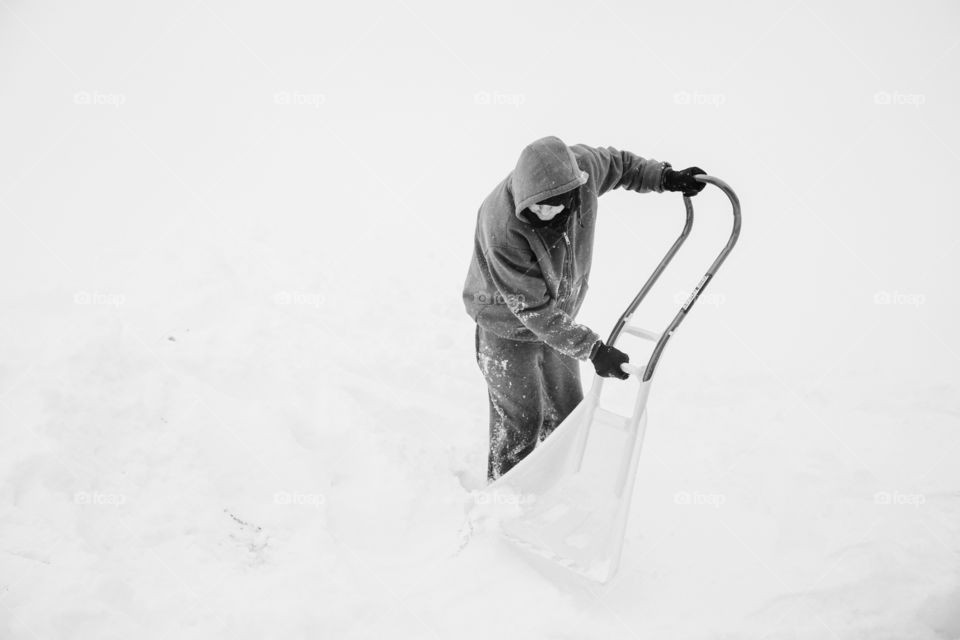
column 238, row 396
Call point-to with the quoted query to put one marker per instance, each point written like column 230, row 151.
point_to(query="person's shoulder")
column 587, row 157
column 581, row 150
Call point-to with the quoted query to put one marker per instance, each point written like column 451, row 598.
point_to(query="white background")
column 237, row 388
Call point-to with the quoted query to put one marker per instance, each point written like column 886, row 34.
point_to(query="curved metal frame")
column 708, row 276
column 633, row 425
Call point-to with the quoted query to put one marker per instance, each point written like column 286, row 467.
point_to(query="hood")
column 546, row 168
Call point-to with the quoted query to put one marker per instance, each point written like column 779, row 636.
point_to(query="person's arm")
column 521, row 285
column 615, row 169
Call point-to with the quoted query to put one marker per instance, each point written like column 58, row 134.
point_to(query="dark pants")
column 532, row 388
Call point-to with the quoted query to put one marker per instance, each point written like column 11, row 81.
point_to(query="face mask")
column 552, row 211
column 558, row 220
column 546, row 212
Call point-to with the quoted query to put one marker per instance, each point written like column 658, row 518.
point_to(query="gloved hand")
column 607, row 360
column 683, row 180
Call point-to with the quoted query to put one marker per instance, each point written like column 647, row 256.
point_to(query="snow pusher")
column 570, row 498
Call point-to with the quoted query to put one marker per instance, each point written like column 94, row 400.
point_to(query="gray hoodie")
column 527, row 283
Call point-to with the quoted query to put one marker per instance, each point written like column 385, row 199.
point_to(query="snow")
column 253, row 478
column 238, row 394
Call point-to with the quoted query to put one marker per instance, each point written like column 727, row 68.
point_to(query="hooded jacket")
column 526, row 283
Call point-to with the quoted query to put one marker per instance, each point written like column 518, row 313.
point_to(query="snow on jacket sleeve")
column 614, row 169
column 521, row 284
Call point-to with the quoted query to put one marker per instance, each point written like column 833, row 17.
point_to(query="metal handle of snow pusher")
column 662, row 338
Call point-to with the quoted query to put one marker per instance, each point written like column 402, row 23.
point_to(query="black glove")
column 607, row 361
column 683, row 180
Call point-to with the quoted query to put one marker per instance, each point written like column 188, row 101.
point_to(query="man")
column 528, row 277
